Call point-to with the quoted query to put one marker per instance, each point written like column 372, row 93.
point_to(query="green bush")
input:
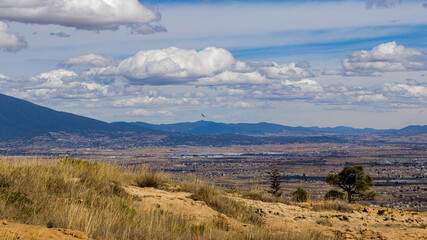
column 299, row 195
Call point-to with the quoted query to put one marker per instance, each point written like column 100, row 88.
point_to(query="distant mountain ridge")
column 262, row 128
column 26, row 125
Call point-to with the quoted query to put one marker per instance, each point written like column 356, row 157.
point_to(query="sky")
column 297, row 63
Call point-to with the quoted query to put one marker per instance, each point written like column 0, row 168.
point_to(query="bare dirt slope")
column 9, row 231
column 363, row 222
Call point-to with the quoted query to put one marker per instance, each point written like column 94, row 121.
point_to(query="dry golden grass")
column 89, row 197
column 150, row 178
column 263, row 196
column 335, row 205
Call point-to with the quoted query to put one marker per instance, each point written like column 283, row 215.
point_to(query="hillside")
column 104, row 202
column 22, row 119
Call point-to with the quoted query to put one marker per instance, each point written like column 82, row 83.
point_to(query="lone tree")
column 299, row 195
column 354, row 182
column 275, row 183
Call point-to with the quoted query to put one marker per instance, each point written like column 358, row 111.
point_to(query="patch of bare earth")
column 180, row 204
column 12, row 231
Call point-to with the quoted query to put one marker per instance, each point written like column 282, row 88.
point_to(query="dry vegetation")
column 337, row 205
column 92, row 198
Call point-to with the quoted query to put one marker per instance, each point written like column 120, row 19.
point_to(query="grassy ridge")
column 89, row 197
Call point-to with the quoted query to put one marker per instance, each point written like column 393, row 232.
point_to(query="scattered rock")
column 381, row 212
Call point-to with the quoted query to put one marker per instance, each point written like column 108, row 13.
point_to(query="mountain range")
column 262, row 128
column 23, row 123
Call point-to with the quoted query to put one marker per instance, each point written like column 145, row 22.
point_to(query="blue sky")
column 297, row 63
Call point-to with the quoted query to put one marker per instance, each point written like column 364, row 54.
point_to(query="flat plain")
column 399, row 170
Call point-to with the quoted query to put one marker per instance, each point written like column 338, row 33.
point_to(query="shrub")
column 299, row 195
column 334, row 195
column 149, row 178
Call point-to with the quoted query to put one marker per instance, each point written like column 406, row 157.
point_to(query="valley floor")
column 103, row 202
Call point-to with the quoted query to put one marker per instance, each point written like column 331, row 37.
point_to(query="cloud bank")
column 175, row 78
column 90, row 15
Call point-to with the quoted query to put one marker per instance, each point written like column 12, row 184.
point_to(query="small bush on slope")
column 150, row 178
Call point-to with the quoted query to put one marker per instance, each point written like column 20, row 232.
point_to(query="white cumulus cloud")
column 285, row 71
column 148, row 113
column 55, row 78
column 234, row 78
column 304, row 85
column 386, row 57
column 242, row 104
column 403, row 90
column 10, row 41
column 371, row 98
column 81, row 14
column 3, row 77
column 170, row 65
column 146, row 100
column 208, row 67
column 90, row 60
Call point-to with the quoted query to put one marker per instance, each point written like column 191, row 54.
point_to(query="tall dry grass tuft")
column 218, row 201
column 335, row 205
column 264, row 196
column 283, row 234
column 150, row 178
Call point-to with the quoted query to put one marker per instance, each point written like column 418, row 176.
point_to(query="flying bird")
column 203, row 115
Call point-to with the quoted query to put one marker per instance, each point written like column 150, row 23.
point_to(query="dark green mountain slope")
column 22, row 119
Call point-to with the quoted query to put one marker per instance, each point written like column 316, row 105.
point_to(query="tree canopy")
column 353, row 181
